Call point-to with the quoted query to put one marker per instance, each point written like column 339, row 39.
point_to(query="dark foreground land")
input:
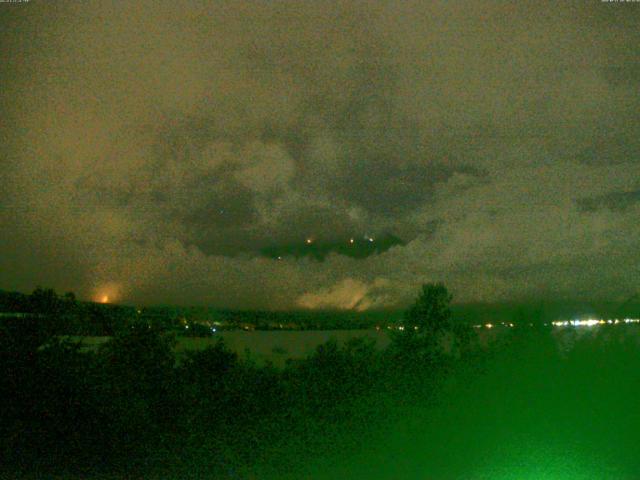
column 542, row 406
column 535, row 404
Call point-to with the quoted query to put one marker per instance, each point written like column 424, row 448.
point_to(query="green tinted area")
column 538, row 408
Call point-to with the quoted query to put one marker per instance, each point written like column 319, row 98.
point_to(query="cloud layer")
column 154, row 149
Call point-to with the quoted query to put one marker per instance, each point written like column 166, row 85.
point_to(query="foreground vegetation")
column 128, row 409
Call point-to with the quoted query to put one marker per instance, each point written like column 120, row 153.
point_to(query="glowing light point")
column 351, row 240
column 309, row 241
column 104, row 299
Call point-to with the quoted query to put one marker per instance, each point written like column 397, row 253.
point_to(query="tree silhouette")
column 430, row 314
column 45, row 301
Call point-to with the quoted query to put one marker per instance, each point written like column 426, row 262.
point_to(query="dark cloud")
column 611, row 149
column 623, row 75
column 611, row 201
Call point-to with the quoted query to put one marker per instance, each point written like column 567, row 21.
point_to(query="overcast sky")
column 151, row 149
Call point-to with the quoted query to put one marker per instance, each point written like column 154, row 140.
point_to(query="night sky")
column 170, row 152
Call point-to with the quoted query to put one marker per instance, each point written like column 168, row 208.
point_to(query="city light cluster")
column 588, row 322
column 591, row 322
column 492, row 325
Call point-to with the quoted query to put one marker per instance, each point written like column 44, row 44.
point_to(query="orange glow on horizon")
column 110, row 292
